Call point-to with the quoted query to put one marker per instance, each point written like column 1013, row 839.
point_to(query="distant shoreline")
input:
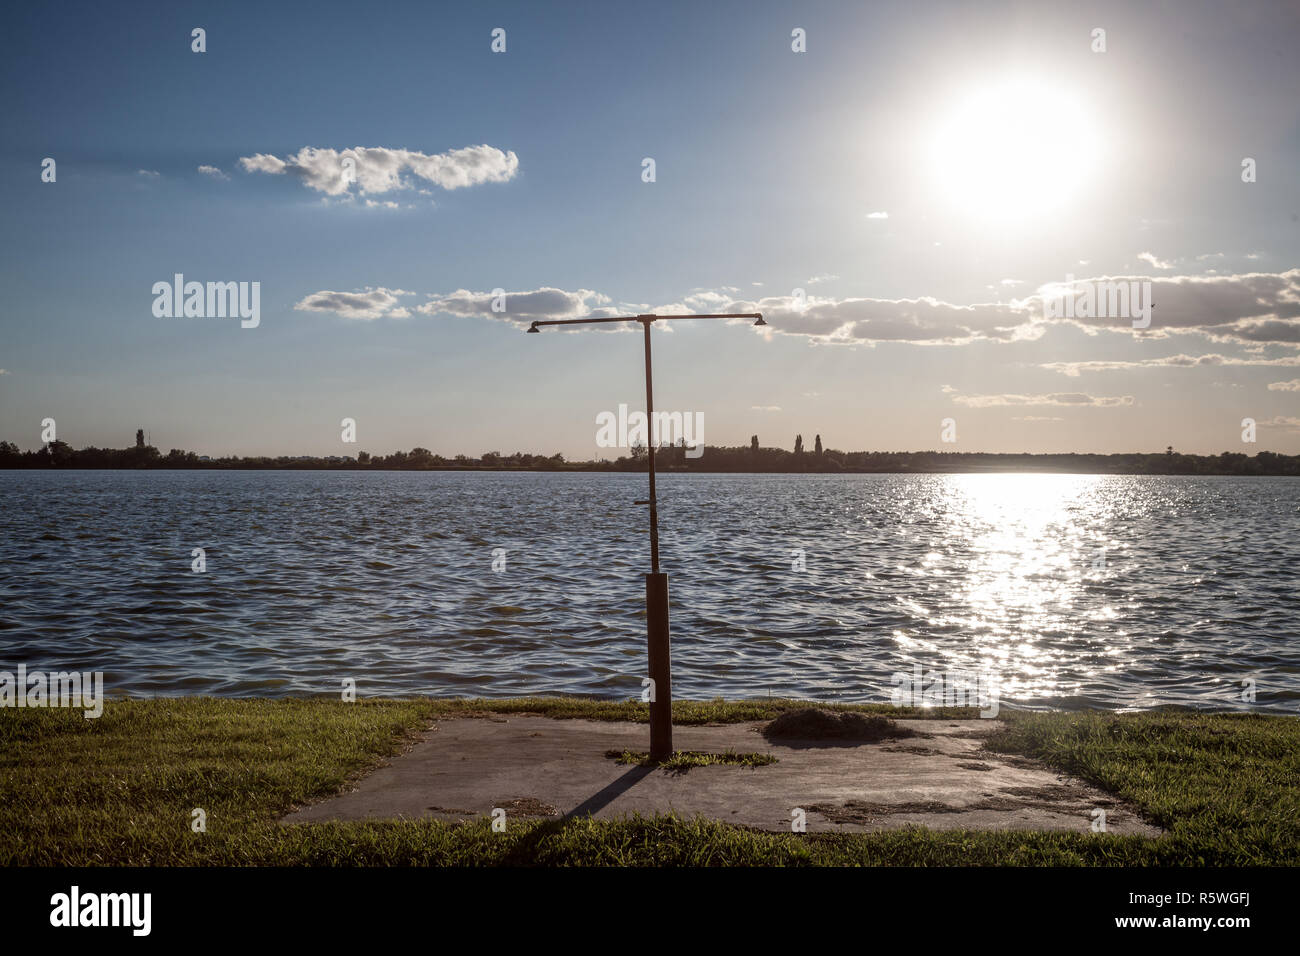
column 751, row 459
column 1292, row 471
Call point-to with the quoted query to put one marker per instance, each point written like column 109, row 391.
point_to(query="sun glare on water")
column 1012, row 151
column 1031, row 575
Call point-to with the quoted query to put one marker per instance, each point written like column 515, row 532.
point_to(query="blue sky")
column 921, row 252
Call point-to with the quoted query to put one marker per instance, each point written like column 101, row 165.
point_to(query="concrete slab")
column 536, row 766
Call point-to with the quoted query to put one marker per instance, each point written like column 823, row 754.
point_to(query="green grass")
column 1226, row 787
column 685, row 712
column 119, row 790
column 683, row 760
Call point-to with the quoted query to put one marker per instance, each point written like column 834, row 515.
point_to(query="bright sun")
column 1013, row 151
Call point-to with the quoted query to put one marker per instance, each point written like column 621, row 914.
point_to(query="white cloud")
column 824, row 277
column 371, row 303
column 859, row 321
column 1155, row 263
column 380, row 170
column 1254, row 310
column 878, row 215
column 1077, row 399
column 149, row 173
column 1073, row 369
column 1291, row 386
column 1251, row 308
column 765, row 408
column 523, row 307
column 214, row 172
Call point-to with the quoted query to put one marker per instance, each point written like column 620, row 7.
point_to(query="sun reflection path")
column 1019, row 567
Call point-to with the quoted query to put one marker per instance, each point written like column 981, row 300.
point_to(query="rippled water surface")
column 1070, row 590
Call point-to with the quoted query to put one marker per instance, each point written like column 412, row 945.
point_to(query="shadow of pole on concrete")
column 604, row 797
column 526, row 850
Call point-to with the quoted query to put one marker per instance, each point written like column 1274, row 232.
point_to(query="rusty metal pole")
column 656, row 582
column 656, row 598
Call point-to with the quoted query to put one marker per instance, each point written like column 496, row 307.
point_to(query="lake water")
column 1069, row 590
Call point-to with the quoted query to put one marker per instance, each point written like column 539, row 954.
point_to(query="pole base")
column 661, row 686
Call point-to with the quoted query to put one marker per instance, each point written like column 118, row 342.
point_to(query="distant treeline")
column 751, row 458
